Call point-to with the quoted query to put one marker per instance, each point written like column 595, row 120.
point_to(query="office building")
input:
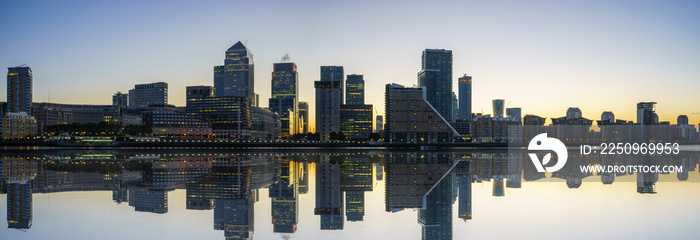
column 168, row 120
column 194, row 92
column 356, row 121
column 355, row 90
column 229, row 116
column 646, row 114
column 147, row 94
column 464, row 85
column 329, row 98
column 514, row 112
column 144, row 199
column 19, row 89
column 355, row 116
column 120, row 99
column 236, row 77
column 264, row 124
column 3, row 107
column 304, row 117
column 50, row 114
column 436, row 77
column 498, row 105
column 284, row 100
column 411, row 118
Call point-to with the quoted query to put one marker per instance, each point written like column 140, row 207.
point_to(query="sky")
column 542, row 56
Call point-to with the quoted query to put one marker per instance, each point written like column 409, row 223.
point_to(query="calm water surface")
column 339, row 195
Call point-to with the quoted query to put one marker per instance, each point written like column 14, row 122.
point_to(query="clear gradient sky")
column 543, row 56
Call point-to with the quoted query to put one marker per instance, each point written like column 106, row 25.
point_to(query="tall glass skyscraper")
column 355, row 90
column 19, row 89
column 235, row 78
column 498, row 107
column 284, row 99
column 329, row 98
column 465, row 98
column 436, row 77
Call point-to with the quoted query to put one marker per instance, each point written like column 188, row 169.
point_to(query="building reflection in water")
column 329, row 201
column 18, row 173
column 427, row 182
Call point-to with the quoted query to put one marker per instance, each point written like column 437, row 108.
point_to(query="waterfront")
column 341, row 195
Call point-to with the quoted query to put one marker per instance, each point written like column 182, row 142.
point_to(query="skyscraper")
column 646, row 114
column 514, row 112
column 19, row 89
column 498, row 107
column 284, row 100
column 355, row 90
column 304, row 116
column 355, row 116
column 465, row 98
column 148, row 94
column 436, row 77
column 235, row 78
column 120, row 99
column 329, row 97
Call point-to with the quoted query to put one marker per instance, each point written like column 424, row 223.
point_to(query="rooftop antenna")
column 508, row 104
column 285, row 58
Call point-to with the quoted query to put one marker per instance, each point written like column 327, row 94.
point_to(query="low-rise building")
column 18, row 125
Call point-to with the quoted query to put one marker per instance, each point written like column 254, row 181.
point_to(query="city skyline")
column 611, row 55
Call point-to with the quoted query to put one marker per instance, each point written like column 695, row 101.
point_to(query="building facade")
column 436, row 77
column 495, row 129
column 356, row 121
column 229, row 116
column 411, row 118
column 167, row 120
column 18, row 125
column 264, row 124
column 148, row 94
column 19, row 89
